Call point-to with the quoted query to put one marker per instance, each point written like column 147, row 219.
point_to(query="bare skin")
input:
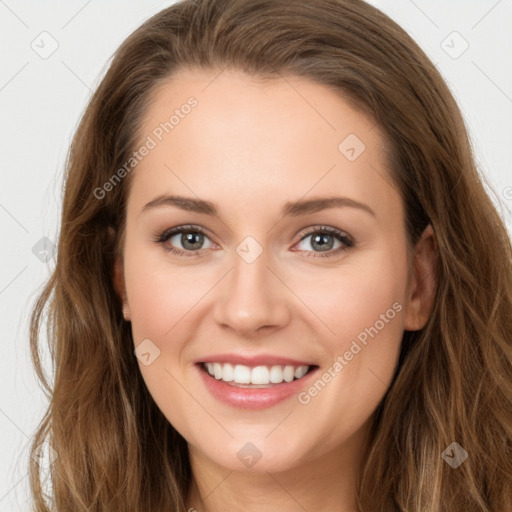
column 250, row 147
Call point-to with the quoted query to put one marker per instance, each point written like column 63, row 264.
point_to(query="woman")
column 280, row 282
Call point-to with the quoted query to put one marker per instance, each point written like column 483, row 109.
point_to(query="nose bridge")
column 252, row 296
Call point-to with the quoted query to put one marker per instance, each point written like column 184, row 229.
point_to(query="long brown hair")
column 115, row 449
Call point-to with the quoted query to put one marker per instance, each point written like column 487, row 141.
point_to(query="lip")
column 253, row 398
column 256, row 360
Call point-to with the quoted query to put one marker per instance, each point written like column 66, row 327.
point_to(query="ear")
column 422, row 282
column 119, row 284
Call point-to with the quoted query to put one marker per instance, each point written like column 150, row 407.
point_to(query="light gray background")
column 41, row 100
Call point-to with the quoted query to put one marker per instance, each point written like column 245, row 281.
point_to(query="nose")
column 252, row 300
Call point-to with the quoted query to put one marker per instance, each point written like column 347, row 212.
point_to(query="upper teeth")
column 258, row 375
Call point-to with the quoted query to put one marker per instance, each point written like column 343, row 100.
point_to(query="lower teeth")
column 236, row 385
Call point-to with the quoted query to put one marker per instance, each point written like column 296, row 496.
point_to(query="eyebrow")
column 290, row 209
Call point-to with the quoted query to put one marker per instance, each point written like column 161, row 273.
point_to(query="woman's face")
column 278, row 281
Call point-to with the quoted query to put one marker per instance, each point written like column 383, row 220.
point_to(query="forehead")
column 258, row 139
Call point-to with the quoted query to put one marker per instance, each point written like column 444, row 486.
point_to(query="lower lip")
column 253, row 398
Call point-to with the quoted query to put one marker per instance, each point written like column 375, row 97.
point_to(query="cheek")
column 364, row 310
column 160, row 294
column 356, row 295
column 162, row 299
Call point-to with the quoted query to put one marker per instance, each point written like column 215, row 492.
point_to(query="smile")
column 255, row 387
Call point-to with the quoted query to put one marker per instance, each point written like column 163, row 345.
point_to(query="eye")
column 323, row 239
column 191, row 239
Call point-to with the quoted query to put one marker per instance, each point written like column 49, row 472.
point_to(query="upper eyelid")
column 167, row 233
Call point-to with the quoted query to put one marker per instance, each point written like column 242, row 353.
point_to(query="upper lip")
column 254, row 360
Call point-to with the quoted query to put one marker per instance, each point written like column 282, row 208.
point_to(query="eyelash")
column 348, row 241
